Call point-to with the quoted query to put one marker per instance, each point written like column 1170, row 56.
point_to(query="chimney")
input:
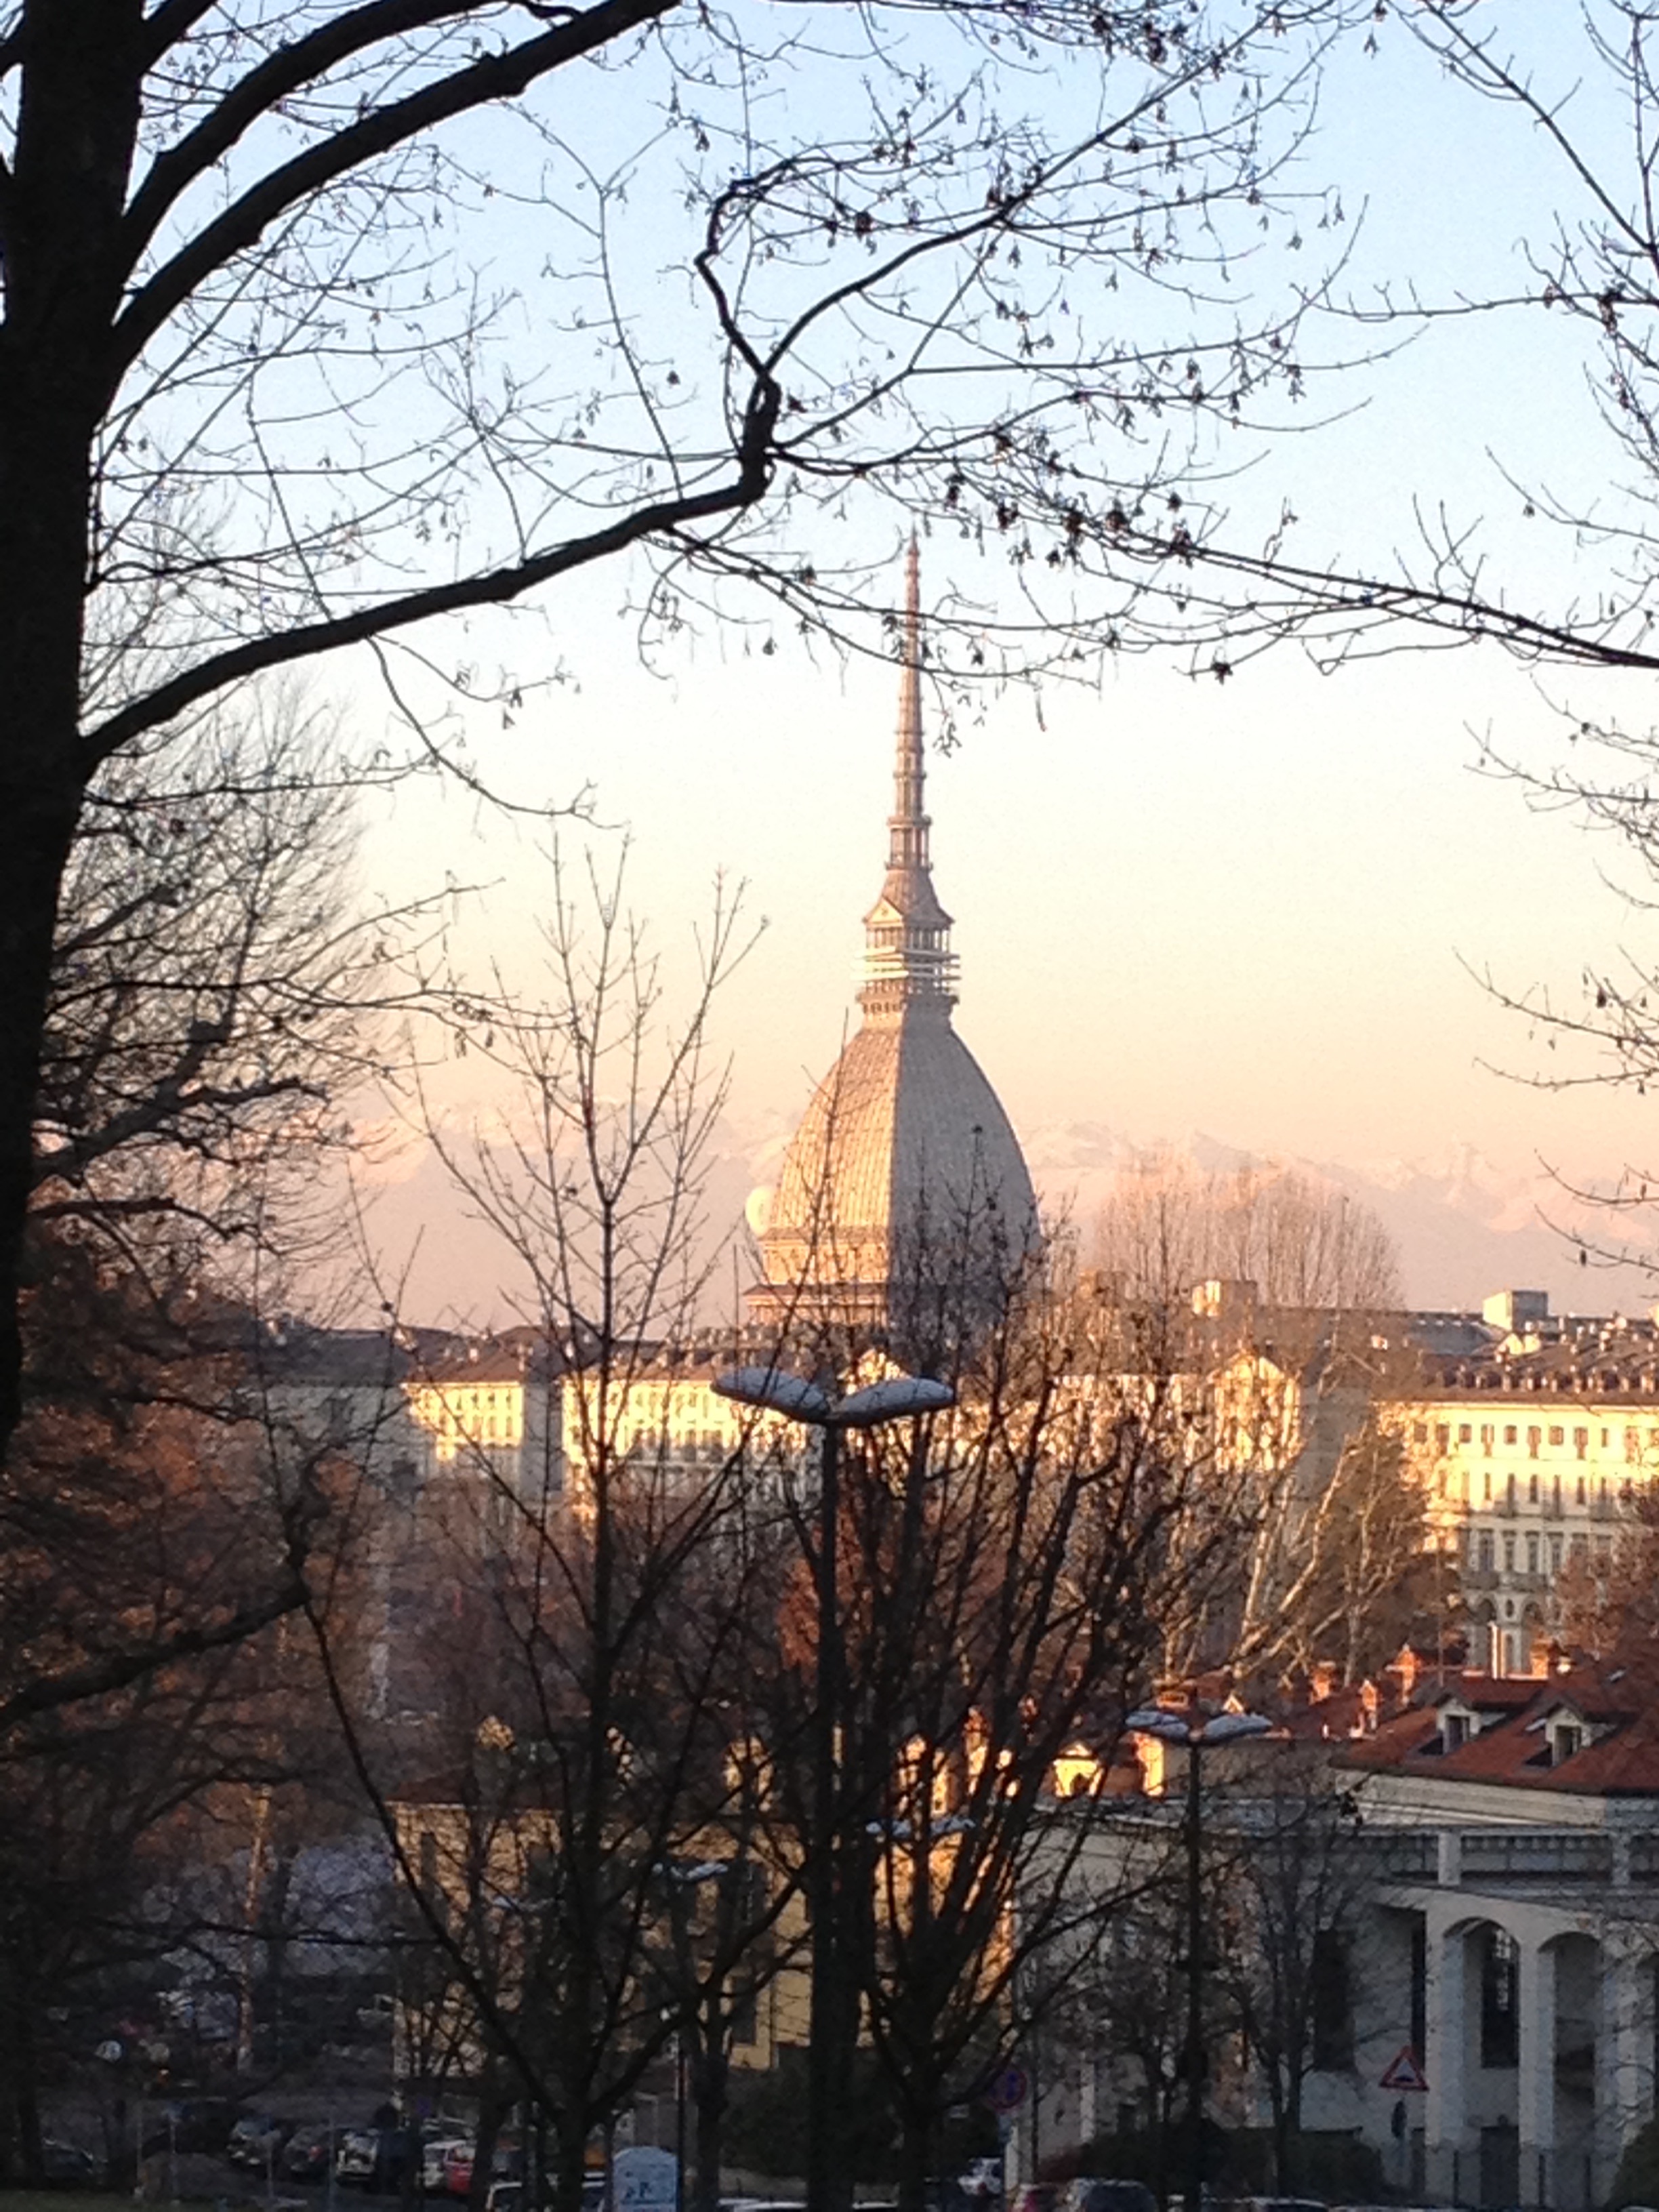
column 1516, row 1309
column 1224, row 1298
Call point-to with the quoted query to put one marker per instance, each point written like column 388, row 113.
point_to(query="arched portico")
column 1517, row 2056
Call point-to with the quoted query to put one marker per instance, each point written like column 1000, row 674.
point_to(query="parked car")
column 256, row 2139
column 190, row 2124
column 438, row 2139
column 357, row 2157
column 375, row 2157
column 1037, row 2196
column 66, row 2166
column 509, row 2196
column 1090, row 2193
column 945, row 2192
column 306, row 2153
column 505, row 2164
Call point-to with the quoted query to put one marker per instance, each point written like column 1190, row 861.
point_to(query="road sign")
column 645, row 2180
column 1403, row 2070
column 1009, row 2089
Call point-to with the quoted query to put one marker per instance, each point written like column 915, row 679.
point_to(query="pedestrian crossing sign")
column 1403, row 2070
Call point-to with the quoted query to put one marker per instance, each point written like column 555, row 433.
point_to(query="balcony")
column 1533, row 1857
column 1409, row 1855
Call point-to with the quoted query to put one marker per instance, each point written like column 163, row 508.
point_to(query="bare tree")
column 1001, row 1572
column 1169, row 1226
column 256, row 408
column 614, row 1597
column 1299, row 1871
column 218, row 990
column 1278, row 1301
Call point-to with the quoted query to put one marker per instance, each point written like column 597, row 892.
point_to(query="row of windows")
column 1510, row 1493
column 1634, row 1446
column 1533, row 1553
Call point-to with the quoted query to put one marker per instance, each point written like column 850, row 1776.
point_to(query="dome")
column 905, row 1144
column 905, row 1166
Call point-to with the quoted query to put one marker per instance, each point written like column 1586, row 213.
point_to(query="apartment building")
column 1533, row 1448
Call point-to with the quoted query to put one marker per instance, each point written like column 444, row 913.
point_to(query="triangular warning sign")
column 1403, row 2071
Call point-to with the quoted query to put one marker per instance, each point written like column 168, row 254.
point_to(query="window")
column 1485, row 1550
column 1465, row 1433
column 1581, row 1442
column 1532, row 1490
column 1486, row 1434
column 1333, row 2001
column 1509, row 1496
column 1566, row 1737
column 1579, row 1548
column 1533, row 1550
column 1488, row 1492
column 1582, row 1488
column 1606, row 1438
column 1500, row 2045
column 1510, row 1433
column 1555, row 1554
column 1509, row 1555
column 1555, row 1495
column 1558, row 1436
column 1442, row 1437
column 1420, row 1977
column 1453, row 1731
column 1534, row 1438
column 1420, row 1432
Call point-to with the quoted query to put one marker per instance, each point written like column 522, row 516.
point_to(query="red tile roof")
column 1616, row 1698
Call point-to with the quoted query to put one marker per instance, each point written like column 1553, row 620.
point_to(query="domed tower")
column 905, row 1171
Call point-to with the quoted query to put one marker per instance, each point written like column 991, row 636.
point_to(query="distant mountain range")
column 1464, row 1226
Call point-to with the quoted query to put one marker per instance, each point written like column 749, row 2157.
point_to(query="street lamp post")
column 832, row 2032
column 682, row 1880
column 1196, row 1739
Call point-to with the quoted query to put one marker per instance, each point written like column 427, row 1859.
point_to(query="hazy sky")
column 1249, row 909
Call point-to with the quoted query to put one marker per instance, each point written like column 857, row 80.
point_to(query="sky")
column 1270, row 910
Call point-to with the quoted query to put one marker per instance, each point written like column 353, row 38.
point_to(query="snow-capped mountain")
column 1463, row 1224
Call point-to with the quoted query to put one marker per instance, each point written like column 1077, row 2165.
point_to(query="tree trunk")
column 709, row 2091
column 77, row 114
column 1281, row 2125
column 915, row 2158
column 493, row 2105
column 569, row 2166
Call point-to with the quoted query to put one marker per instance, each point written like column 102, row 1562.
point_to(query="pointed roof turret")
column 907, row 933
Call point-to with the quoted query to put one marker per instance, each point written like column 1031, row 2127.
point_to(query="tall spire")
column 907, row 933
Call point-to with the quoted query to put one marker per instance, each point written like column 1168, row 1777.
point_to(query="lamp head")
column 889, row 1400
column 791, row 1395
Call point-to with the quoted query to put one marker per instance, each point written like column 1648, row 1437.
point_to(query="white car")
column 434, row 2153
